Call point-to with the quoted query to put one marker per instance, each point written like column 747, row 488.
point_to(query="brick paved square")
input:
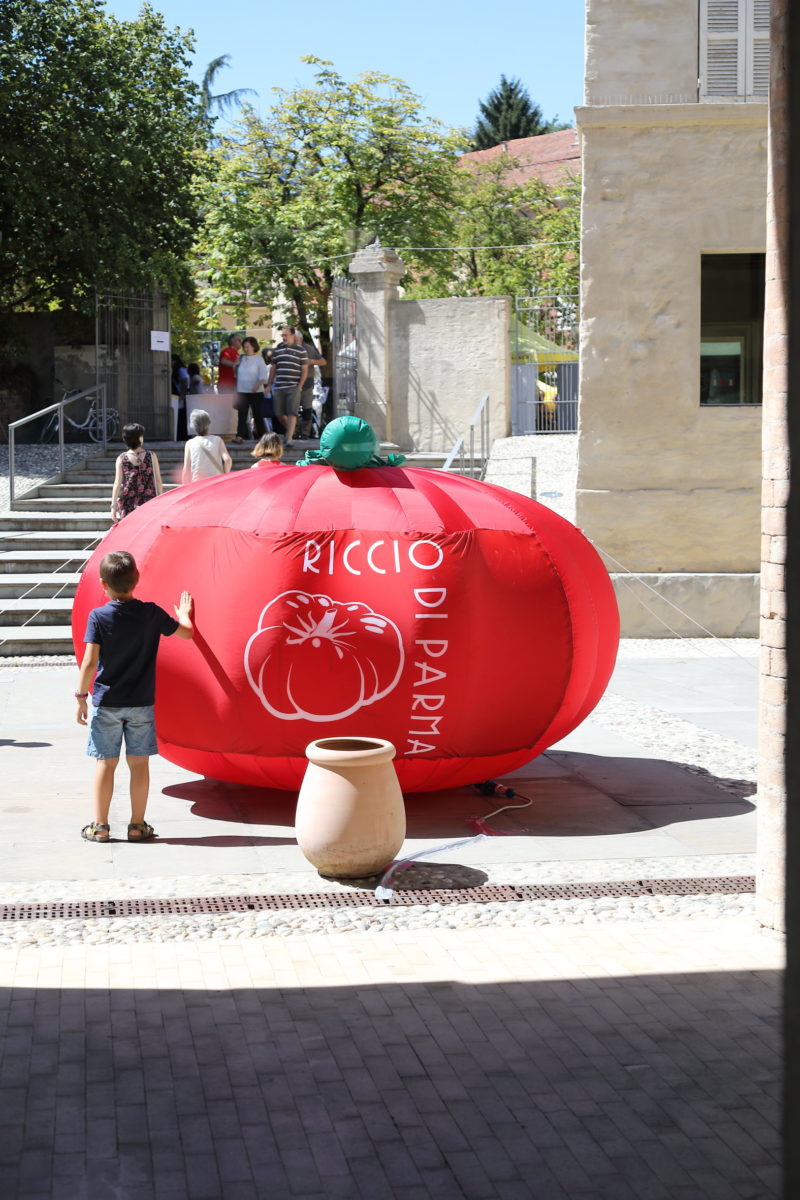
column 437, row 1087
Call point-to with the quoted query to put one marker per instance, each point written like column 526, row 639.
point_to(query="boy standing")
column 122, row 640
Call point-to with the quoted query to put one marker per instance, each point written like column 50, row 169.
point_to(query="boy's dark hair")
column 132, row 435
column 119, row 572
column 193, row 368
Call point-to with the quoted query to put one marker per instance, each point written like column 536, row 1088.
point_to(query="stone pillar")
column 378, row 271
column 786, row 50
column 775, row 492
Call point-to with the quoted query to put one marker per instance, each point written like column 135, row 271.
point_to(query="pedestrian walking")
column 205, row 454
column 286, row 378
column 306, row 405
column 137, row 478
column 251, row 376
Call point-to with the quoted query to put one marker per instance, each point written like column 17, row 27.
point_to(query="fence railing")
column 95, row 427
column 470, row 461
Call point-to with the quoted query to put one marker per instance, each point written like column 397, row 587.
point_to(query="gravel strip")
column 284, row 923
column 34, row 465
column 728, row 764
column 234, row 927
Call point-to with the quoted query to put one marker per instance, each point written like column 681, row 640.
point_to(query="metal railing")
column 469, row 462
column 99, row 434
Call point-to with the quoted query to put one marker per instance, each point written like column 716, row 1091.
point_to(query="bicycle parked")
column 92, row 425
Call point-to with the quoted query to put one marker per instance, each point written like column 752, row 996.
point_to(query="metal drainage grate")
column 189, row 905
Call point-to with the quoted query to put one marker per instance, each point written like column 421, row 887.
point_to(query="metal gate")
column 137, row 377
column 344, row 343
column 544, row 357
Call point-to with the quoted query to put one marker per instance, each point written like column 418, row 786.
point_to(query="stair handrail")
column 475, row 468
column 58, row 407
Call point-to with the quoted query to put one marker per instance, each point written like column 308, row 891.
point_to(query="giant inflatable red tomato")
column 470, row 626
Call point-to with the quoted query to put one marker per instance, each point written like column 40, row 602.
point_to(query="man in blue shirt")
column 122, row 639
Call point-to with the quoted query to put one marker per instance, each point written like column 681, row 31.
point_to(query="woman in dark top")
column 138, row 476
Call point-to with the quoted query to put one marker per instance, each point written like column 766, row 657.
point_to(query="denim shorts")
column 138, row 725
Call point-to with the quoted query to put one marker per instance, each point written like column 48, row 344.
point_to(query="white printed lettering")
column 433, row 722
column 437, row 596
column 313, row 551
column 415, row 747
column 427, row 647
column 346, row 558
column 428, row 674
column 370, row 563
column 358, row 555
column 423, row 566
column 429, row 703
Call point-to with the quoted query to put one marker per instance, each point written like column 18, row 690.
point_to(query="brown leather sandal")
column 141, row 832
column 96, row 833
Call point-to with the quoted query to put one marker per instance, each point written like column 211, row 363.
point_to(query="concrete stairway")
column 51, row 533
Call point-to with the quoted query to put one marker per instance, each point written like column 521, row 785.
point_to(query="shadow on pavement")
column 571, row 794
column 423, row 877
column 24, row 745
column 653, row 1085
column 229, row 840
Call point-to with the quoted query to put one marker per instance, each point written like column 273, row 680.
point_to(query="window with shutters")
column 734, row 49
column 731, row 328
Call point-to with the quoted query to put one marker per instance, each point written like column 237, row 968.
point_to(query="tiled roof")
column 551, row 157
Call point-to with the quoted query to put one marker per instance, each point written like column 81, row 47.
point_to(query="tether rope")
column 671, row 604
column 77, row 556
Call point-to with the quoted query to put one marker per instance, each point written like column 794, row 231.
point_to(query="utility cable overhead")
column 315, row 262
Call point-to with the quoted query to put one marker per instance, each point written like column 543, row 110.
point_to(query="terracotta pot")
column 351, row 820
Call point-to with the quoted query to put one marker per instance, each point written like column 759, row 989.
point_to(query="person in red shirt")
column 228, row 361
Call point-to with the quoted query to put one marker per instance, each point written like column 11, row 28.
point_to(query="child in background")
column 268, row 450
column 122, row 639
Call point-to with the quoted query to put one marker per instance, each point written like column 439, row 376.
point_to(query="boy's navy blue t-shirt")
column 128, row 633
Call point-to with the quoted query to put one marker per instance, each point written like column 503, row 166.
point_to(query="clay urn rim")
column 353, row 748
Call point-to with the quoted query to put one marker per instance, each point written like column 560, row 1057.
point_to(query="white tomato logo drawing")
column 317, row 659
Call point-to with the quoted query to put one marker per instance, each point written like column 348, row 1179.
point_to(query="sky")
column 450, row 52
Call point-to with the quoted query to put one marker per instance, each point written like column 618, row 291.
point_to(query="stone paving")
column 452, row 1063
column 570, row 1049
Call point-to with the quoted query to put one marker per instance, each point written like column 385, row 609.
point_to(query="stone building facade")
column 674, row 136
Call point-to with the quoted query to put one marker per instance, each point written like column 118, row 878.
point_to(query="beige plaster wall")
column 640, row 49
column 445, row 355
column 663, row 484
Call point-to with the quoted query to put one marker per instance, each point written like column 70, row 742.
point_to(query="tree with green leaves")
column 510, row 238
column 507, row 113
column 291, row 197
column 221, row 102
column 100, row 142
